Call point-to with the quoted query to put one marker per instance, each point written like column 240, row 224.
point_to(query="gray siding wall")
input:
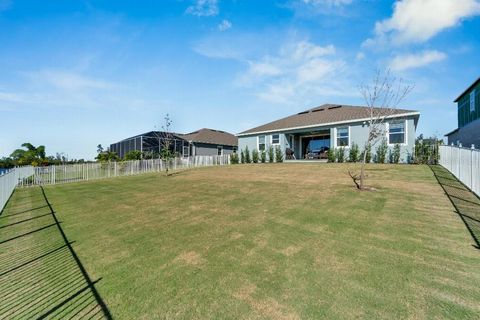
column 205, row 149
column 358, row 135
column 252, row 142
column 467, row 135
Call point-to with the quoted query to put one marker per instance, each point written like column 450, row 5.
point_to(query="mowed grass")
column 273, row 241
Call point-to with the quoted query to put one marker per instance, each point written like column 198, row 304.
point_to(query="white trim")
column 271, row 139
column 405, row 134
column 336, row 137
column 472, row 100
column 400, row 115
column 188, row 151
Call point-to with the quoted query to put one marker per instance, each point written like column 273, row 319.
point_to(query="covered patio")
column 311, row 145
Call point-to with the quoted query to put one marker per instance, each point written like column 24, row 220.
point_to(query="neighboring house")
column 149, row 142
column 468, row 131
column 331, row 126
column 203, row 142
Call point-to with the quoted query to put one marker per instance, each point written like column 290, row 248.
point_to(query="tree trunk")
column 362, row 169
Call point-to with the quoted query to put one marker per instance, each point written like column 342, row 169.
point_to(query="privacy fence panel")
column 10, row 179
column 464, row 164
column 93, row 171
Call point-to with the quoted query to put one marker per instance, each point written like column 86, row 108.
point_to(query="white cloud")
column 416, row 21
column 224, row 25
column 67, row 80
column 61, row 88
column 360, row 56
column 264, row 68
column 331, row 3
column 417, row 60
column 11, row 97
column 228, row 45
column 311, row 8
column 203, row 8
column 299, row 70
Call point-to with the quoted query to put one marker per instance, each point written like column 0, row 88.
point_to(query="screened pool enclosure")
column 149, row 143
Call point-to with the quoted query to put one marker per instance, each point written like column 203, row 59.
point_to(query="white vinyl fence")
column 10, row 179
column 464, row 164
column 92, row 171
column 30, row 176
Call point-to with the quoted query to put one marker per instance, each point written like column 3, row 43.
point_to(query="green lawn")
column 273, row 241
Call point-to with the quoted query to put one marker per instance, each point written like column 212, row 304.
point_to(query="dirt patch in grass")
column 291, row 250
column 190, row 258
column 268, row 307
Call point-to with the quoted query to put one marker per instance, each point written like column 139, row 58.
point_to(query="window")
column 396, row 132
column 472, row 101
column 275, row 138
column 186, row 150
column 234, row 149
column 220, row 151
column 261, row 143
column 342, row 137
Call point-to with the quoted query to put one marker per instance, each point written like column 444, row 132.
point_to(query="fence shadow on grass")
column 466, row 203
column 41, row 276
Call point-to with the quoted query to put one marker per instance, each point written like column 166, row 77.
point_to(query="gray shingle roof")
column 325, row 114
column 211, row 136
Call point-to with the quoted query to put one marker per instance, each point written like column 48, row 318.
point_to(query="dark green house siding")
column 465, row 116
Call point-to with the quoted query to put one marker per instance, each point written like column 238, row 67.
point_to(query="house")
column 468, row 113
column 148, row 143
column 205, row 142
column 202, row 142
column 331, row 126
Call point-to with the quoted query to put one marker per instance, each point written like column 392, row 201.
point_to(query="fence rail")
column 10, row 179
column 30, row 176
column 93, row 171
column 464, row 164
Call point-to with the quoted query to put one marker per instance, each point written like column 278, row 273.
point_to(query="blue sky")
column 74, row 74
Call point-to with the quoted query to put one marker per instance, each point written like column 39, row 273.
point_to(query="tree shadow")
column 41, row 276
column 466, row 203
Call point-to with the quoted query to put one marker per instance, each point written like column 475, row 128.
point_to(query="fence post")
column 471, row 168
column 458, row 162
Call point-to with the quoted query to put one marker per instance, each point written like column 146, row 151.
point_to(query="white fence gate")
column 464, row 164
column 10, row 179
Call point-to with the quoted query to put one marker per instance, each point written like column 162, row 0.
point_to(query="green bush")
column 396, row 154
column 382, row 150
column 242, row 156
column 354, row 154
column 270, row 154
column 426, row 150
column 234, row 158
column 331, row 155
column 340, row 154
column 278, row 154
column 133, row 155
column 247, row 155
column 263, row 156
column 255, row 156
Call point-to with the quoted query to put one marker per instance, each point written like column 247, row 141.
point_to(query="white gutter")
column 327, row 124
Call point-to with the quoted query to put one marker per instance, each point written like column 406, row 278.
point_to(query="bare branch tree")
column 382, row 98
column 165, row 141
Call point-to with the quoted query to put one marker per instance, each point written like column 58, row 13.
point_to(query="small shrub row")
column 354, row 155
column 272, row 155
